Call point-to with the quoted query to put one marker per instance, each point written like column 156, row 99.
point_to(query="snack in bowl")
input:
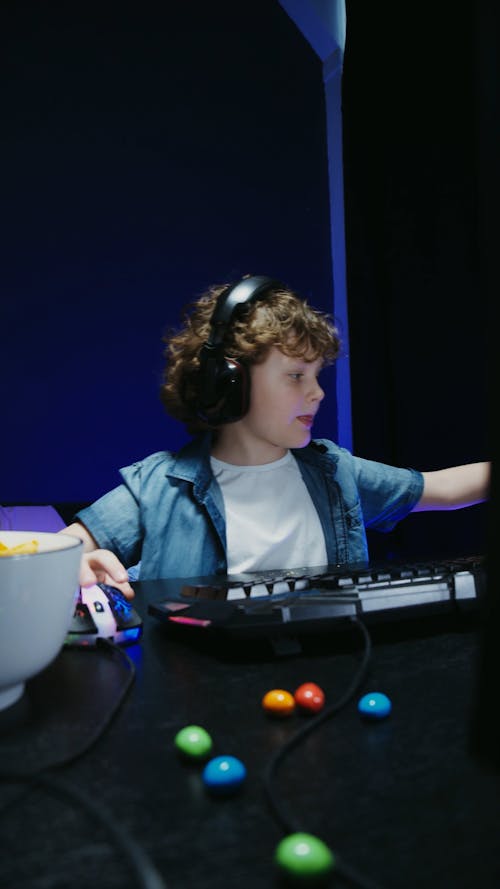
column 31, row 546
column 38, row 589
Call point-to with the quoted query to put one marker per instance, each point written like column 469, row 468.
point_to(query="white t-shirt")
column 271, row 521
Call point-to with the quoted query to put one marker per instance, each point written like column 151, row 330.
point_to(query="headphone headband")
column 244, row 291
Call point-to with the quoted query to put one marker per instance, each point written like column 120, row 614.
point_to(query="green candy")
column 193, row 741
column 304, row 857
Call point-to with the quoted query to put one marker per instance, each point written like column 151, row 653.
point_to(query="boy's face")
column 284, row 399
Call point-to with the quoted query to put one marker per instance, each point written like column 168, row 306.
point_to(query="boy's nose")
column 317, row 393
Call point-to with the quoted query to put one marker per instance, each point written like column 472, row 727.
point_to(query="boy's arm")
column 455, row 487
column 99, row 565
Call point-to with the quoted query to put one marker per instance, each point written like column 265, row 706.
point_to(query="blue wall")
column 149, row 154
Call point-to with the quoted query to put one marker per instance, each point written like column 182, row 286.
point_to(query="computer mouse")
column 103, row 612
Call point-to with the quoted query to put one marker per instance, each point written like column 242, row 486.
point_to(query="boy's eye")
column 296, row 376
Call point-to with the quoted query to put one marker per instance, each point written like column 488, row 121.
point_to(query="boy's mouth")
column 306, row 420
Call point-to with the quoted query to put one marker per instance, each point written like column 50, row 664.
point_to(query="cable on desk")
column 277, row 807
column 143, row 868
column 343, row 870
column 24, row 776
column 101, row 726
column 145, row 872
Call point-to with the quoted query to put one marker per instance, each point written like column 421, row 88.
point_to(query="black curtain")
column 417, row 311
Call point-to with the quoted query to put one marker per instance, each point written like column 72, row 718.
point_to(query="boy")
column 253, row 491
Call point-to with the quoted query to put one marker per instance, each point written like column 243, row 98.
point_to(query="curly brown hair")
column 279, row 318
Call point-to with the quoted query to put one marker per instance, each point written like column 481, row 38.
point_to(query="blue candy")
column 224, row 775
column 375, row 705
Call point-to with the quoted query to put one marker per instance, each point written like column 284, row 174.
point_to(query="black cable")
column 21, row 777
column 278, row 810
column 146, row 874
column 100, row 728
column 348, row 873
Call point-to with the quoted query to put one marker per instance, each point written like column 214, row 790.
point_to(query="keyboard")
column 309, row 599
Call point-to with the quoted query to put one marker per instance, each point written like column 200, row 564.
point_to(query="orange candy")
column 278, row 702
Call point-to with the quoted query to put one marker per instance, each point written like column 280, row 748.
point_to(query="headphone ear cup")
column 225, row 392
column 224, row 383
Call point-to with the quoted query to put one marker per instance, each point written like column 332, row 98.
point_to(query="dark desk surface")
column 403, row 799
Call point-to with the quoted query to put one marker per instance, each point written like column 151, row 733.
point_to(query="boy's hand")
column 102, row 566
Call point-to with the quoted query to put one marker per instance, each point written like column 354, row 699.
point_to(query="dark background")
column 416, row 177
column 149, row 152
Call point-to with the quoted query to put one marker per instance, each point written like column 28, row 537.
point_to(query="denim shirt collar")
column 192, row 462
column 318, row 454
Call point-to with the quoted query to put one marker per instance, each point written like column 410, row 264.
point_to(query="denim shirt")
column 168, row 514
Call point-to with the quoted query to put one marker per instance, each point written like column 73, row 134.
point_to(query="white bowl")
column 37, row 600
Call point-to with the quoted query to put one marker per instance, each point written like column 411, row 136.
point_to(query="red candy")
column 310, row 697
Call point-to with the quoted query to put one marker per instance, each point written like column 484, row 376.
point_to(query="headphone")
column 225, row 382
